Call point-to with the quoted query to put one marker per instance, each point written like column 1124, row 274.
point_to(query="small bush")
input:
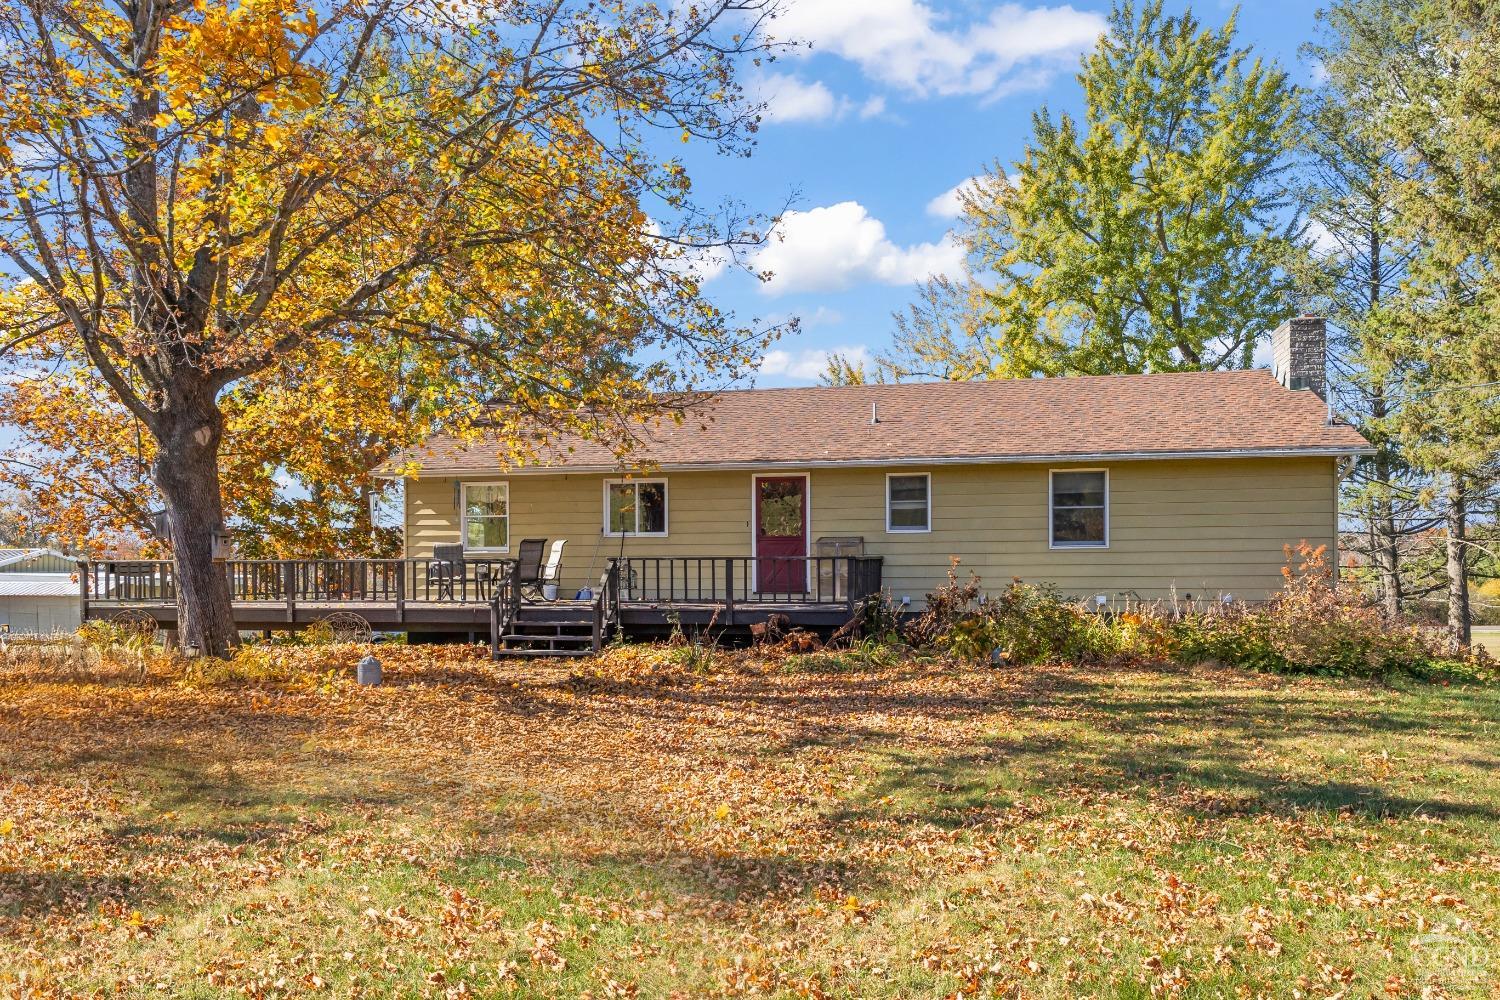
column 878, row 620
column 1312, row 627
column 1026, row 623
column 318, row 633
column 1309, row 627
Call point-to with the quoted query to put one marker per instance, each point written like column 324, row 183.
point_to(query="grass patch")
column 843, row 827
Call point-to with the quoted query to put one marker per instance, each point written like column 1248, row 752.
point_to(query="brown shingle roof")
column 1193, row 413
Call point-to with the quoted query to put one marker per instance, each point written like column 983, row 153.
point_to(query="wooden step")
column 526, row 637
column 542, row 654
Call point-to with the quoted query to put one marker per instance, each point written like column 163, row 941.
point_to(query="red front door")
column 781, row 534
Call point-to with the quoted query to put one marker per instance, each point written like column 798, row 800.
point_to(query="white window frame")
column 894, row 530
column 666, row 508
column 463, row 515
column 1052, row 542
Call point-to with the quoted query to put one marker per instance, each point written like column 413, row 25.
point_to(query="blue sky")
column 896, row 103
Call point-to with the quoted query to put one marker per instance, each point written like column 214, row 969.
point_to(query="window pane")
column 781, row 508
column 484, row 501
column 909, row 517
column 487, row 533
column 621, row 508
column 1078, row 526
column 485, row 522
column 1078, row 489
column 653, row 504
column 911, row 488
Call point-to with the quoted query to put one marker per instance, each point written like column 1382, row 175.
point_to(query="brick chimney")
column 1299, row 354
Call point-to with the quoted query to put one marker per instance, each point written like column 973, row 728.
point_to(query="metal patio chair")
column 529, row 566
column 445, row 568
column 535, row 576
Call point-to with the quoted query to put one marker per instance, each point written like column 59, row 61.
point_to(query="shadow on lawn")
column 1194, row 748
column 954, row 791
column 26, row 893
column 718, row 876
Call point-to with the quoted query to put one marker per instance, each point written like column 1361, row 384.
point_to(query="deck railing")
column 607, row 604
column 732, row 580
column 290, row 581
column 505, row 604
column 725, row 580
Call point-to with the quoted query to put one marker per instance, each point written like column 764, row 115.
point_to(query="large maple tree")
column 241, row 219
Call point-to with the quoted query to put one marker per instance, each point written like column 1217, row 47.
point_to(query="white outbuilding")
column 38, row 592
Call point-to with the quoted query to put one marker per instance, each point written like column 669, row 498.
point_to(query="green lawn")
column 1489, row 638
column 623, row 828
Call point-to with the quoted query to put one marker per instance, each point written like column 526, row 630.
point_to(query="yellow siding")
column 1204, row 527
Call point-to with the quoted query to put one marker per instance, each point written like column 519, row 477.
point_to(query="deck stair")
column 545, row 630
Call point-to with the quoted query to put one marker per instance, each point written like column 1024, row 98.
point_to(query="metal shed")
column 39, row 592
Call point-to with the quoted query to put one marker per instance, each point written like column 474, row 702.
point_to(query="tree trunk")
column 187, row 473
column 1386, row 550
column 1387, row 555
column 1459, row 623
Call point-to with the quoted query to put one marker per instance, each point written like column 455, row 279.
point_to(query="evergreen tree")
column 1359, row 258
column 1430, row 75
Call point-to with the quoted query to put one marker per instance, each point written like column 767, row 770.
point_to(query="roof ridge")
column 1031, row 380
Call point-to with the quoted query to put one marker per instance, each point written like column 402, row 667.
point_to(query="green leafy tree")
column 936, row 338
column 1154, row 234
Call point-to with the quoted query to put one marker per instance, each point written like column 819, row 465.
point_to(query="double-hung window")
column 486, row 515
column 1079, row 507
column 908, row 502
column 635, row 507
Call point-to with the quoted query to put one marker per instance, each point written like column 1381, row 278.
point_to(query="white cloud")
column 906, row 44
column 707, row 263
column 791, row 99
column 1322, row 242
column 831, row 248
column 808, row 365
column 949, row 204
column 703, row 263
column 821, row 316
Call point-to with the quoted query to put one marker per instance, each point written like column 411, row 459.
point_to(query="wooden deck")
column 635, row 597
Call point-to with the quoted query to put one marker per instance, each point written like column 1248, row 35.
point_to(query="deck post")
column 729, row 591
column 401, row 592
column 83, row 591
column 495, row 627
column 849, row 580
column 289, row 583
